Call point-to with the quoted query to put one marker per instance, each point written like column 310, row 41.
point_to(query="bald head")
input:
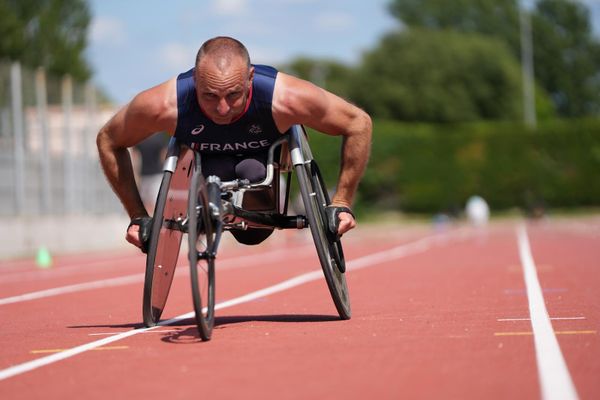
column 222, row 51
column 223, row 78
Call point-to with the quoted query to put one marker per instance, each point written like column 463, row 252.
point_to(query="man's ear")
column 251, row 75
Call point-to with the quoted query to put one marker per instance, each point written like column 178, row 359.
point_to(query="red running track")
column 454, row 314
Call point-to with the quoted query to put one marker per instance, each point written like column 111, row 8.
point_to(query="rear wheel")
column 201, row 236
column 165, row 239
column 329, row 247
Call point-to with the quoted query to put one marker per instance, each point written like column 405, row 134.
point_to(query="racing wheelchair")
column 205, row 207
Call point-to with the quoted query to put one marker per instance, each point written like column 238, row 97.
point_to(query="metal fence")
column 48, row 159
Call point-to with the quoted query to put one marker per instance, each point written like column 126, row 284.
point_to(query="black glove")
column 145, row 224
column 333, row 219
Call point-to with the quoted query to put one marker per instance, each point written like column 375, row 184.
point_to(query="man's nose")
column 223, row 107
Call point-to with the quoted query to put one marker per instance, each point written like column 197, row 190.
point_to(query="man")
column 214, row 107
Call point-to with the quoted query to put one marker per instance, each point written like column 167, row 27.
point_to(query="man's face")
column 222, row 90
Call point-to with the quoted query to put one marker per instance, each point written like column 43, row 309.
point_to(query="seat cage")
column 233, row 213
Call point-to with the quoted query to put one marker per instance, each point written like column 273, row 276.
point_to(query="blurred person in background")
column 231, row 111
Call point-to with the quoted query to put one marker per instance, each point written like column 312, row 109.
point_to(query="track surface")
column 510, row 311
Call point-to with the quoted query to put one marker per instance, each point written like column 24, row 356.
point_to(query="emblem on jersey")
column 197, row 130
column 255, row 128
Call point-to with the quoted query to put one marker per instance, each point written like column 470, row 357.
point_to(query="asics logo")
column 198, row 130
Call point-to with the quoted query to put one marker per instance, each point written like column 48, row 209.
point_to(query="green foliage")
column 567, row 56
column 434, row 168
column 11, row 41
column 497, row 18
column 439, row 76
column 331, row 75
column 46, row 33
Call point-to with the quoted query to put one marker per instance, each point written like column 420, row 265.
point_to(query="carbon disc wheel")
column 165, row 239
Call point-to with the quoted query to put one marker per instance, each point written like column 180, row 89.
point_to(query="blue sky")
column 137, row 44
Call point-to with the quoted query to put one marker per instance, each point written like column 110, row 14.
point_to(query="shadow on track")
column 190, row 334
column 236, row 319
column 136, row 325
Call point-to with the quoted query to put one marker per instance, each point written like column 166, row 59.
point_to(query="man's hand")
column 339, row 219
column 347, row 222
column 138, row 232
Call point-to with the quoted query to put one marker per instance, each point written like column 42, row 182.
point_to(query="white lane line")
column 123, row 280
column 86, row 266
column 551, row 318
column 397, row 252
column 117, row 333
column 237, row 262
column 65, row 269
column 69, row 262
column 555, row 380
column 40, row 362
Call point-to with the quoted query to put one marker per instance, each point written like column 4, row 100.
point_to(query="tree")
column 46, row 33
column 439, row 76
column 11, row 39
column 331, row 75
column 498, row 18
column 567, row 56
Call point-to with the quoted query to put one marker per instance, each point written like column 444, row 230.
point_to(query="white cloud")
column 230, row 7
column 334, row 21
column 108, row 30
column 177, row 57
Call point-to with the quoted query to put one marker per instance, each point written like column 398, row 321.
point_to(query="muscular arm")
column 300, row 102
column 150, row 111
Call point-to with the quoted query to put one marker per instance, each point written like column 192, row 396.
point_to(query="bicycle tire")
column 330, row 252
column 201, row 238
column 165, row 241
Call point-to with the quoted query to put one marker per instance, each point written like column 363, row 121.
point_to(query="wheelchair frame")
column 214, row 206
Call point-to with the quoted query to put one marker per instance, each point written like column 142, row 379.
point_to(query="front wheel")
column 165, row 239
column 329, row 249
column 201, row 237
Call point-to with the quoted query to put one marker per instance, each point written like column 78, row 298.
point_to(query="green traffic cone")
column 43, row 258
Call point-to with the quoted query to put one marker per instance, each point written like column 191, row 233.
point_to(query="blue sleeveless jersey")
column 253, row 132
